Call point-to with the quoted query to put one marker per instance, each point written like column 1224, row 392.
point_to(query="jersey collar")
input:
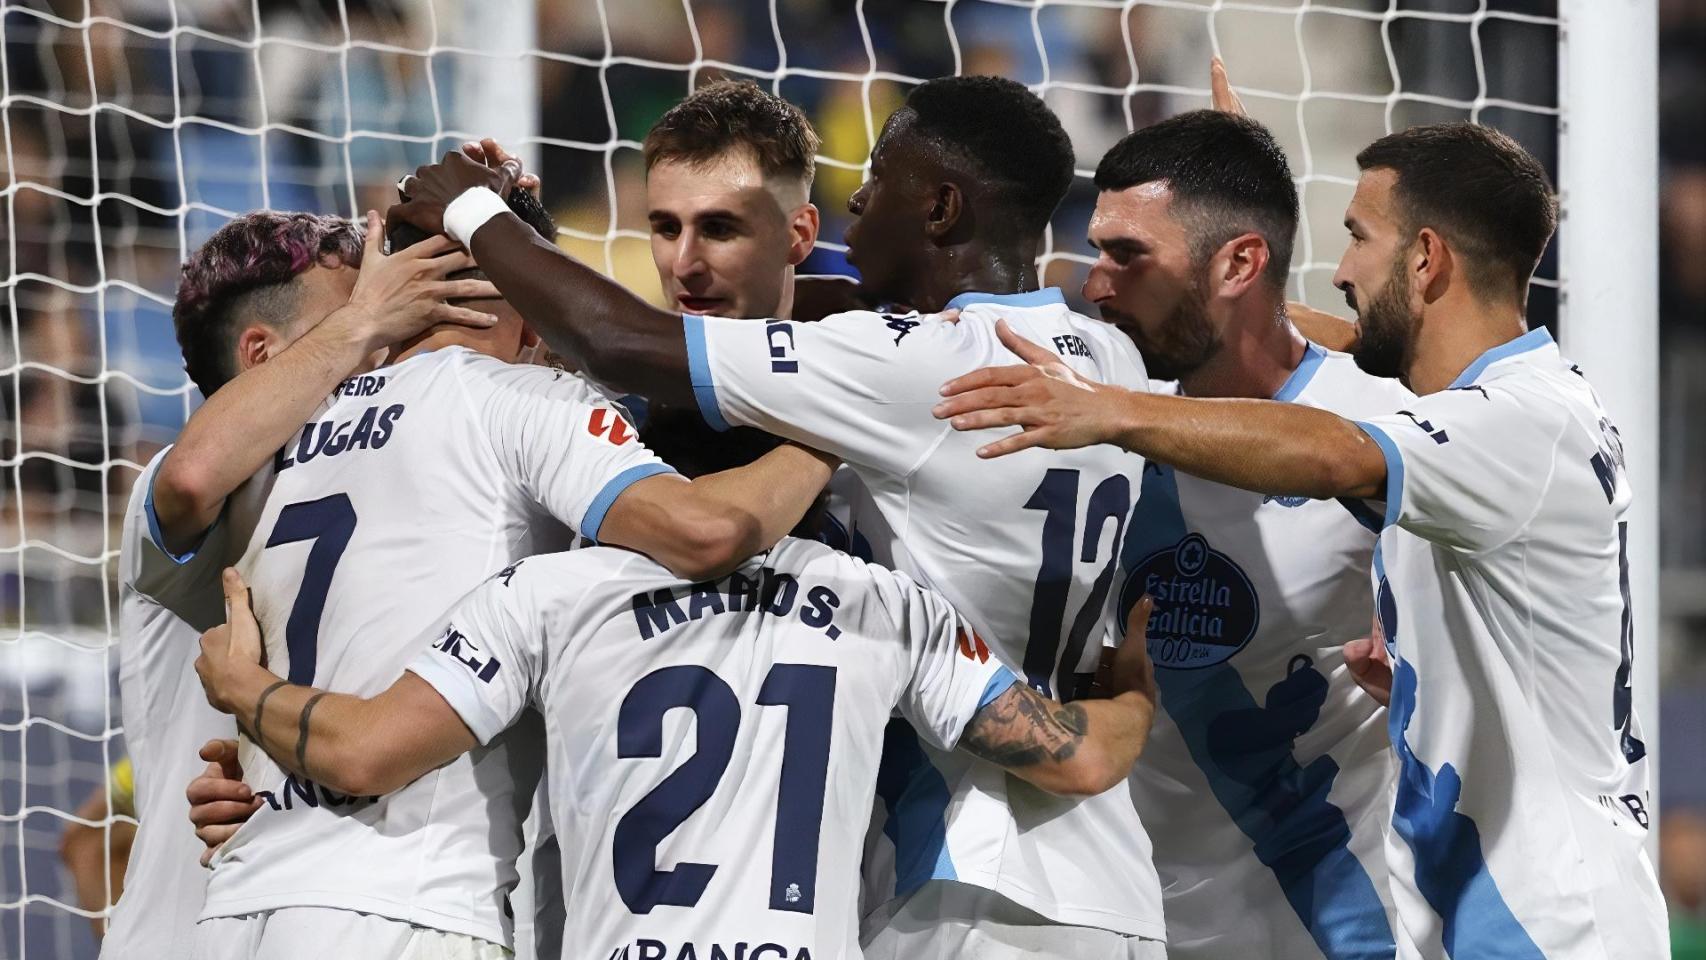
column 1313, row 354
column 1046, row 297
column 1532, row 340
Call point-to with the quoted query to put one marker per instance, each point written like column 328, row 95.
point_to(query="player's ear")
column 1239, row 263
column 254, row 346
column 802, row 233
column 1431, row 264
column 947, row 205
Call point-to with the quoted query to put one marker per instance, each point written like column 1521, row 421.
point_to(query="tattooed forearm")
column 260, row 703
column 1021, row 728
column 302, row 733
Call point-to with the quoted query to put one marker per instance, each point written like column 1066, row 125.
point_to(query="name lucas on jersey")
column 370, row 430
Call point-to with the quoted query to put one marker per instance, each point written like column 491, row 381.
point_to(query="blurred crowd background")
column 133, row 128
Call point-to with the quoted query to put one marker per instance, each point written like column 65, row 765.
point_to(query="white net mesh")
column 132, row 129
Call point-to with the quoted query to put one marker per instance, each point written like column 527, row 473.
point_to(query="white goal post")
column 230, row 96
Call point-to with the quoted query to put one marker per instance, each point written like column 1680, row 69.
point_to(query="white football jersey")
column 1026, row 547
column 713, row 746
column 1503, row 592
column 407, row 489
column 1267, row 778
column 165, row 602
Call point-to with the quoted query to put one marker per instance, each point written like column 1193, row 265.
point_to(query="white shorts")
column 324, row 933
column 947, row 920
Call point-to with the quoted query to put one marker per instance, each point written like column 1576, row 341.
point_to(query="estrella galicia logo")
column 1205, row 608
column 1284, row 501
column 781, row 338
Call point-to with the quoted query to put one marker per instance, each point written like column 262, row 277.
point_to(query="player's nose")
column 689, row 257
column 1097, row 285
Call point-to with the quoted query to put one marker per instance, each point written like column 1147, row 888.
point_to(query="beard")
column 1386, row 328
column 1185, row 341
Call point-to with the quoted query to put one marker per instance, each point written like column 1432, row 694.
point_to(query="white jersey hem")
column 356, row 903
column 1064, row 915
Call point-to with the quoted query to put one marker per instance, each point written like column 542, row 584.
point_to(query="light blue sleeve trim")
column 1047, row 296
column 699, row 372
column 997, row 685
column 600, row 505
column 1394, row 471
column 154, row 527
column 456, row 685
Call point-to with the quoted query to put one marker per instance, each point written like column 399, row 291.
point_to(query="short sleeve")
column 857, row 385
column 487, row 657
column 954, row 674
column 182, row 583
column 1465, row 468
column 567, row 447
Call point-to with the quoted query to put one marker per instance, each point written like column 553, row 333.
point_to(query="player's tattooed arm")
column 595, row 323
column 354, row 745
column 1080, row 748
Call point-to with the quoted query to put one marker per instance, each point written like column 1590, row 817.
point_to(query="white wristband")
column 468, row 212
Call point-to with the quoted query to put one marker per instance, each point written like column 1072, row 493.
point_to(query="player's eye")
column 719, row 230
column 668, row 229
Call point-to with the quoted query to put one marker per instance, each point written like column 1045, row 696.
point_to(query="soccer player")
column 696, row 819
column 95, row 854
column 169, row 596
column 1269, row 766
column 496, row 450
column 963, row 180
column 1501, row 574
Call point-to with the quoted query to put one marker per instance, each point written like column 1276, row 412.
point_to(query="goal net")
column 133, row 128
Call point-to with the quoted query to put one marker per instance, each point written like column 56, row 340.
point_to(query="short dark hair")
column 1479, row 188
column 401, row 236
column 730, row 114
column 1005, row 131
column 246, row 270
column 1227, row 174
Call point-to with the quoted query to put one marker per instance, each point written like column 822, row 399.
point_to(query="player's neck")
column 785, row 308
column 1453, row 334
column 974, row 268
column 439, row 337
column 1260, row 350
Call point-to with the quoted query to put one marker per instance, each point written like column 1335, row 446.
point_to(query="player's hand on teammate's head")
column 1127, row 667
column 220, row 801
column 1220, row 92
column 1371, row 665
column 1055, row 406
column 489, row 153
column 228, row 649
column 398, row 297
column 431, row 188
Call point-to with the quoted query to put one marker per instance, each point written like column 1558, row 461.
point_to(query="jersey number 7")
column 329, row 522
column 808, row 691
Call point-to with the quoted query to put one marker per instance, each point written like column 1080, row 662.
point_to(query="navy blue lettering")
column 386, row 420
column 821, row 603
column 780, row 590
column 1071, row 345
column 267, row 795
column 743, row 593
column 306, row 448
column 340, row 439
column 301, row 788
column 718, row 954
column 656, row 613
column 651, row 949
column 687, row 952
column 706, row 596
column 363, row 432
column 764, row 948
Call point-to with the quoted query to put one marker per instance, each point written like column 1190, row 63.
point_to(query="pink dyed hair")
column 249, row 255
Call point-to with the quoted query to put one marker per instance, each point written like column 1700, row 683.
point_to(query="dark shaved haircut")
column 1008, row 136
column 1481, row 190
column 1227, row 174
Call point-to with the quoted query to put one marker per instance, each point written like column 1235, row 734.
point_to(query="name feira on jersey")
column 370, row 429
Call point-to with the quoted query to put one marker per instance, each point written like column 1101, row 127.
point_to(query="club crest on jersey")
column 1206, row 610
column 781, row 338
column 609, row 424
column 972, row 646
column 901, row 325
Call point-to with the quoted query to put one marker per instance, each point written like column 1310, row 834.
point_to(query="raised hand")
column 220, row 801
column 1127, row 667
column 397, row 297
column 1054, row 406
column 431, row 188
column 489, row 153
column 1221, row 96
